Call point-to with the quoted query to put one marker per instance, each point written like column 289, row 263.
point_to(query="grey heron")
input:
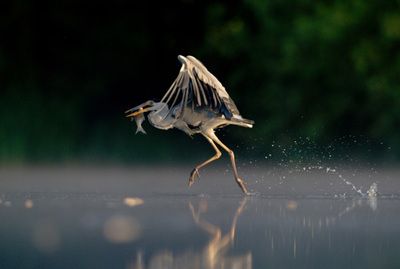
column 196, row 103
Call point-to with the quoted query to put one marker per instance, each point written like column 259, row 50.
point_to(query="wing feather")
column 172, row 89
column 203, row 88
column 196, row 87
column 214, row 98
column 175, row 99
column 213, row 90
column 206, row 76
column 184, row 101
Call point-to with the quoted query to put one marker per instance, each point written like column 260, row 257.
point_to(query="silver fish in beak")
column 137, row 114
column 139, row 120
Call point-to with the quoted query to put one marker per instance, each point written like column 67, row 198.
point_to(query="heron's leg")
column 208, row 227
column 239, row 181
column 195, row 171
column 238, row 212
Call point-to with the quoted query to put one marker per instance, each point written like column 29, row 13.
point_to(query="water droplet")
column 373, row 190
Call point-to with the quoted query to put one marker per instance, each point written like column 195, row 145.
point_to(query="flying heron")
column 196, row 103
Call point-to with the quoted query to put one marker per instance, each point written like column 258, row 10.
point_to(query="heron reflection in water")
column 214, row 255
column 196, row 103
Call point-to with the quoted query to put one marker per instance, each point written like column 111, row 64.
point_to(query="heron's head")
column 143, row 108
column 160, row 116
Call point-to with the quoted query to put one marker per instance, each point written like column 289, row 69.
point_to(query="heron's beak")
column 138, row 112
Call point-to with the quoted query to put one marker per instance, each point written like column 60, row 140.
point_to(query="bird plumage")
column 196, row 88
column 196, row 102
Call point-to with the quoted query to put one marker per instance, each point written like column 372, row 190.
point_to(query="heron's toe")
column 193, row 174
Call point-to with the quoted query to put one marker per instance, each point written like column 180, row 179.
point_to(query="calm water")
column 147, row 218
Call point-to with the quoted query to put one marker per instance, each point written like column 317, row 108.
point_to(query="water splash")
column 373, row 190
column 352, row 185
column 304, row 154
column 346, row 181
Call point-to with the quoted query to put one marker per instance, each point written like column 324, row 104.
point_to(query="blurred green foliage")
column 321, row 70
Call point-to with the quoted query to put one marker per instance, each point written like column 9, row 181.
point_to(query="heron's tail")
column 242, row 122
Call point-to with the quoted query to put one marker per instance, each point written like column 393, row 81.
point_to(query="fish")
column 139, row 120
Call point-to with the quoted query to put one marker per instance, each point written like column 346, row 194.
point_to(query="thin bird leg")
column 239, row 181
column 195, row 171
column 238, row 212
column 208, row 227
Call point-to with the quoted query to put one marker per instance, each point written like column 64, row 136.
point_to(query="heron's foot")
column 242, row 185
column 193, row 175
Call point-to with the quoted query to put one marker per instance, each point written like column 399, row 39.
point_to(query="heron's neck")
column 161, row 119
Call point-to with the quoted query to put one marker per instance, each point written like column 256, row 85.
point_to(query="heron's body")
column 195, row 121
column 196, row 103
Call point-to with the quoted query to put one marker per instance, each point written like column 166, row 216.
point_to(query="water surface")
column 143, row 217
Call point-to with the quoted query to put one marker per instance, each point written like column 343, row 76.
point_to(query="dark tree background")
column 324, row 71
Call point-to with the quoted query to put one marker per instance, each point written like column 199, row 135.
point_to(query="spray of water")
column 346, row 181
column 298, row 156
column 373, row 190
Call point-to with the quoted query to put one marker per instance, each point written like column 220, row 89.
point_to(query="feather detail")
column 196, row 87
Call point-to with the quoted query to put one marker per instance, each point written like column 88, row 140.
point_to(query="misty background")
column 316, row 76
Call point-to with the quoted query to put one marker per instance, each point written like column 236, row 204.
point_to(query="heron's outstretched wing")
column 196, row 87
